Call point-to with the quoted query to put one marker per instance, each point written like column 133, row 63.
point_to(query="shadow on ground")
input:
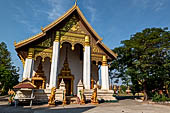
column 127, row 97
column 45, row 109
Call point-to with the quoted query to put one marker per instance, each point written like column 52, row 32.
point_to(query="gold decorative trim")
column 44, row 50
column 104, row 62
column 43, row 55
column 96, row 49
column 30, row 53
column 46, row 43
column 97, row 58
column 78, row 35
column 87, row 41
column 57, row 38
column 72, row 40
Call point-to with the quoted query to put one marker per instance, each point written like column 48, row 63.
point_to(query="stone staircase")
column 106, row 95
column 4, row 98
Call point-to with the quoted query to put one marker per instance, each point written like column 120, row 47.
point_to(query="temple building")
column 67, row 49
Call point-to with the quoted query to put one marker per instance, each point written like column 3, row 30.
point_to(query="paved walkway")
column 123, row 106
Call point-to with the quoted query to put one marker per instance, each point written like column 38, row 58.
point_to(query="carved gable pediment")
column 73, row 25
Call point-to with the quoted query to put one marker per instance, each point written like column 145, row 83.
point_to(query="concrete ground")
column 123, row 106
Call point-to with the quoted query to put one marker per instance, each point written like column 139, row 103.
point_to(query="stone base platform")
column 102, row 95
column 41, row 95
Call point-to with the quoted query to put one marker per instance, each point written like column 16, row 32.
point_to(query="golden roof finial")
column 75, row 2
column 15, row 43
column 42, row 29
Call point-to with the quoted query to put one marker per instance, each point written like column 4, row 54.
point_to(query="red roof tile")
column 28, row 85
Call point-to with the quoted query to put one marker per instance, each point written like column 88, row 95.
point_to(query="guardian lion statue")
column 51, row 100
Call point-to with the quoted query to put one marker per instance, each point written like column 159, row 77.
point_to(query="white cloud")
column 143, row 3
column 158, row 5
column 155, row 5
column 33, row 13
column 57, row 8
column 21, row 17
column 29, row 26
column 90, row 6
column 92, row 11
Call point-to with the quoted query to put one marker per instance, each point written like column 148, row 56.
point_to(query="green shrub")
column 160, row 98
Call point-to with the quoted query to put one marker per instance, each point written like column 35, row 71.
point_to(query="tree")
column 8, row 73
column 145, row 59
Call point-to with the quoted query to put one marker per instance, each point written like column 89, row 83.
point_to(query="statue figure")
column 64, row 97
column 82, row 96
column 120, row 90
column 51, row 100
column 94, row 96
column 115, row 89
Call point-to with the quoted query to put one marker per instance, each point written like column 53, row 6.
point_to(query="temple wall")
column 75, row 64
column 36, row 63
column 94, row 69
column 47, row 69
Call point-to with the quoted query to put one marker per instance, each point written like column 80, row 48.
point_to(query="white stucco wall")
column 36, row 63
column 75, row 64
column 46, row 68
column 94, row 72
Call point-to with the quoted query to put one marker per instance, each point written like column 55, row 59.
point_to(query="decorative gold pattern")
column 96, row 49
column 78, row 35
column 49, row 50
column 97, row 58
column 87, row 41
column 104, row 61
column 72, row 40
column 30, row 53
column 43, row 55
column 57, row 38
column 73, row 25
column 46, row 43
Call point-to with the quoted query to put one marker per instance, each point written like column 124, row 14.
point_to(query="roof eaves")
column 24, row 42
column 109, row 50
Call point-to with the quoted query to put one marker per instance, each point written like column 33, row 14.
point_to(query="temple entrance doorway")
column 67, row 77
column 68, row 85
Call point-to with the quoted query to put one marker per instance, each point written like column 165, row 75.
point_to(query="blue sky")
column 113, row 20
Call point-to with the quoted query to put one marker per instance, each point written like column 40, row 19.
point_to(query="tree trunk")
column 145, row 91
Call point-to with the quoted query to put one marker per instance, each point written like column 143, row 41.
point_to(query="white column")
column 86, row 64
column 28, row 68
column 104, row 74
column 29, row 65
column 55, row 61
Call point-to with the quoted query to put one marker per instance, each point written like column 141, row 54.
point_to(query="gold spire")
column 75, row 2
column 66, row 70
